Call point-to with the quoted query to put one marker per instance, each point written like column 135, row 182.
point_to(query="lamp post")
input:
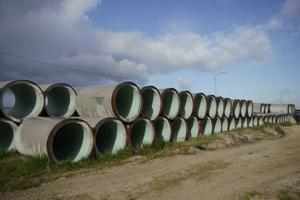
column 284, row 91
column 216, row 81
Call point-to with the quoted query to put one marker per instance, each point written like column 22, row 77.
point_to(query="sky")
column 165, row 43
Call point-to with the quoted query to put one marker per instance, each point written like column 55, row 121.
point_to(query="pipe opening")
column 243, row 108
column 217, row 125
column 260, row 121
column 72, row 141
column 225, row 125
column 179, row 130
column 220, row 107
column 237, row 109
column 249, row 109
column 162, row 129
column 128, row 101
column 200, row 105
column 208, row 127
column 212, row 106
column 239, row 123
column 255, row 121
column 250, row 124
column 25, row 99
column 171, row 103
column 6, row 136
column 141, row 133
column 60, row 100
column 245, row 123
column 110, row 135
column 193, row 127
column 186, row 104
column 151, row 102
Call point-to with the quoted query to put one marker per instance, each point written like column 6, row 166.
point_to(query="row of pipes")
column 67, row 123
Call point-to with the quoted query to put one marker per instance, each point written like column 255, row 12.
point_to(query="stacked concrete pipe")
column 29, row 100
column 225, row 124
column 193, row 127
column 255, row 121
column 7, row 135
column 245, row 122
column 60, row 100
column 239, row 123
column 251, row 122
column 163, row 129
column 212, row 106
column 200, row 108
column 123, row 101
column 236, row 108
column 227, row 107
column 206, row 126
column 141, row 132
column 111, row 135
column 220, row 107
column 232, row 123
column 243, row 108
column 152, row 104
column 171, row 103
column 249, row 108
column 58, row 139
column 179, row 130
column 217, row 125
column 186, row 104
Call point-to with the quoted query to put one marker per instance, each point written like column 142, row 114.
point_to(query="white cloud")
column 61, row 32
column 184, row 84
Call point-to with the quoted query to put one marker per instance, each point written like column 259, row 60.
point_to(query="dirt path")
column 223, row 174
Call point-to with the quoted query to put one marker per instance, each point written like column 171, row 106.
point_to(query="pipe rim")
column 211, row 112
column 249, row 108
column 220, row 111
column 225, row 124
column 61, row 124
column 191, row 123
column 228, row 107
column 157, row 109
column 236, row 108
column 207, row 120
column 137, row 94
column 71, row 107
column 35, row 111
column 182, row 110
column 232, row 124
column 171, row 114
column 217, row 123
column 243, row 108
column 200, row 105
column 120, row 125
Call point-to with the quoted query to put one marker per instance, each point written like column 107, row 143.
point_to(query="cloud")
column 288, row 17
column 61, row 32
column 184, row 84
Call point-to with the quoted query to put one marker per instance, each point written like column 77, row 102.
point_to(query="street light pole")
column 286, row 91
column 216, row 81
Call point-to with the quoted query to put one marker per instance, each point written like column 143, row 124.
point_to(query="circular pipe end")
column 7, row 135
column 193, row 127
column 200, row 105
column 162, row 129
column 179, row 130
column 171, row 103
column 186, row 104
column 152, row 103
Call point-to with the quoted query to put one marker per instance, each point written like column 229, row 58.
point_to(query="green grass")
column 19, row 172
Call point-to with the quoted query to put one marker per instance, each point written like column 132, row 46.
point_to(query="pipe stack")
column 67, row 123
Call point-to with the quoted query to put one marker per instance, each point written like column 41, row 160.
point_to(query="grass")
column 19, row 172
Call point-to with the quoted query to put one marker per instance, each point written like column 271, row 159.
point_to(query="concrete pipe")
column 249, row 108
column 236, row 108
column 250, row 122
column 20, row 99
column 257, row 107
column 265, row 118
column 59, row 139
column 163, row 129
column 220, row 107
column 206, row 126
column 152, row 104
column 255, row 121
column 232, row 123
column 186, row 104
column 200, row 105
column 279, row 108
column 273, row 119
column 260, row 121
column 243, row 108
column 60, row 100
column 7, row 135
column 269, row 119
column 239, row 123
column 217, row 125
column 212, row 106
column 179, row 130
column 193, row 127
column 278, row 119
column 228, row 107
column 110, row 135
column 141, row 132
column 171, row 103
column 123, row 101
column 268, row 108
column 225, row 124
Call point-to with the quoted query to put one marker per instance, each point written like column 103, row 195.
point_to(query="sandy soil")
column 231, row 173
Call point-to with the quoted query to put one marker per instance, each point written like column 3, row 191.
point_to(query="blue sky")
column 166, row 43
